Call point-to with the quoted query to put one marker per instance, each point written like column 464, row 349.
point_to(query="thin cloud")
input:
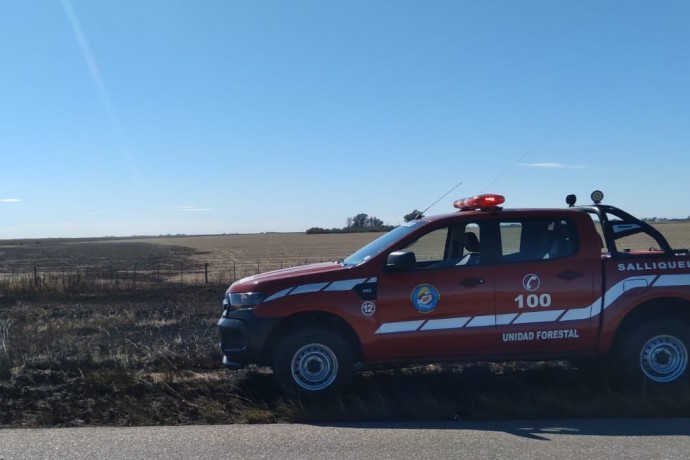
column 551, row 166
column 10, row 200
column 192, row 209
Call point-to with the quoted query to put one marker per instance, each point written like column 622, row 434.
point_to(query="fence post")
column 206, row 272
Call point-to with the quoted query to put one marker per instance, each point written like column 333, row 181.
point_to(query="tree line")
column 664, row 219
column 363, row 223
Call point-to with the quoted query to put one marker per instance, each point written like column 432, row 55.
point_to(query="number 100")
column 533, row 300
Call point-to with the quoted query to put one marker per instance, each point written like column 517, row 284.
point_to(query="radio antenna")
column 442, row 197
column 538, row 144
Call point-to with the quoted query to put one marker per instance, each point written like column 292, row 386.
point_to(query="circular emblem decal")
column 368, row 308
column 531, row 282
column 425, row 297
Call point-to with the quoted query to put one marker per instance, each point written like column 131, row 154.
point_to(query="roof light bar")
column 487, row 201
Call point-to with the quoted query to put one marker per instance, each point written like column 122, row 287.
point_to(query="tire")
column 655, row 353
column 313, row 361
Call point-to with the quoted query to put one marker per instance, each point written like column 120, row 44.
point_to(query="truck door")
column 545, row 288
column 444, row 306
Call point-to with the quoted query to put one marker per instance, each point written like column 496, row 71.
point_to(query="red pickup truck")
column 483, row 283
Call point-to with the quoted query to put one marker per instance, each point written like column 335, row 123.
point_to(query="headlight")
column 243, row 300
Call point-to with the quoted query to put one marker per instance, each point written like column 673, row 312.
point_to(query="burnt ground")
column 150, row 357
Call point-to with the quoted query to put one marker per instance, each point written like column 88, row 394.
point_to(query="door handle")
column 471, row 282
column 570, row 275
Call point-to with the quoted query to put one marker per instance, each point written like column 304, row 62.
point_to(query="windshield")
column 381, row 243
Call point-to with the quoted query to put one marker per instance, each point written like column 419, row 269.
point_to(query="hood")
column 287, row 274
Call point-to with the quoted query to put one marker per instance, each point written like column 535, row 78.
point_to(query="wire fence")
column 115, row 275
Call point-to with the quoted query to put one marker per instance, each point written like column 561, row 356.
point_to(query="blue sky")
column 146, row 117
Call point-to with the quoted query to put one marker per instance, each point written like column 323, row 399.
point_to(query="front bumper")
column 243, row 338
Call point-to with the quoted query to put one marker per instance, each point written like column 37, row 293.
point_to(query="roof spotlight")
column 597, row 196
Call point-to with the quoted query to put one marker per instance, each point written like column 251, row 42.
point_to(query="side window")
column 537, row 239
column 448, row 247
column 510, row 240
column 430, row 249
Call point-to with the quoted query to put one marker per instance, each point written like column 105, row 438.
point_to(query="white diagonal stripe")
column 402, row 326
column 344, row 285
column 307, row 288
column 538, row 316
column 447, row 323
column 482, row 321
column 505, row 318
column 618, row 289
column 335, row 286
column 278, row 294
column 673, row 280
column 575, row 314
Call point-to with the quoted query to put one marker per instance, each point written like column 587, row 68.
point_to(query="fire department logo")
column 425, row 297
column 531, row 282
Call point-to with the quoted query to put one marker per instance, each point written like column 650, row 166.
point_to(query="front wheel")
column 656, row 353
column 313, row 361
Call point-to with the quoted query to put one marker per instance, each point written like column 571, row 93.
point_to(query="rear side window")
column 537, row 239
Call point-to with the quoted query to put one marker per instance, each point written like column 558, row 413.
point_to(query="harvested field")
column 128, row 262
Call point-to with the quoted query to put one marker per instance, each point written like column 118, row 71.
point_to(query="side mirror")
column 401, row 260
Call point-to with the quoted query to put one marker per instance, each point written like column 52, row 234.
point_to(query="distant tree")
column 373, row 222
column 359, row 221
column 416, row 214
column 316, row 231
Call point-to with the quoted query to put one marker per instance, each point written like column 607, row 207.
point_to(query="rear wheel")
column 313, row 361
column 656, row 353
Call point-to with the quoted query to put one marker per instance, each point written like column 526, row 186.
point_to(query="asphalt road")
column 558, row 439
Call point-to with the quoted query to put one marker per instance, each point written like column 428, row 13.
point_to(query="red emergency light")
column 487, row 201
